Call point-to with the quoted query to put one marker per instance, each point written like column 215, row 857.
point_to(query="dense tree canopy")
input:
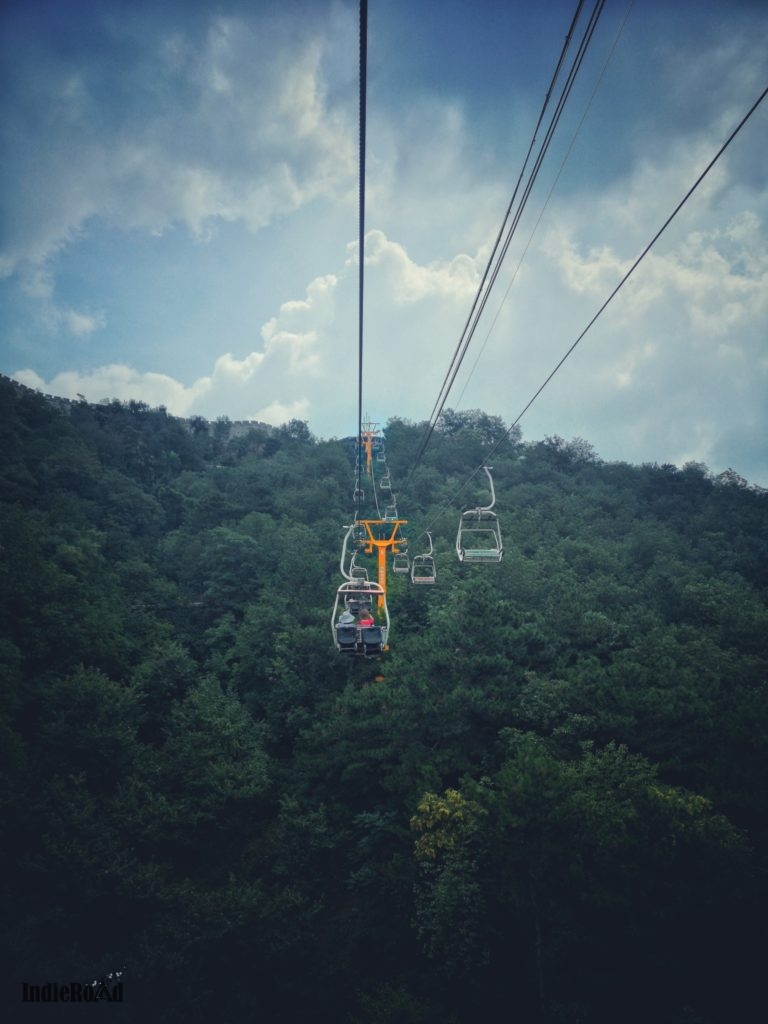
column 547, row 801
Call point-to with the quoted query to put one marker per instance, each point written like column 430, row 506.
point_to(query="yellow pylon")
column 381, row 535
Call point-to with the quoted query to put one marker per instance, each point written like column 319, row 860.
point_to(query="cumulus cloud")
column 191, row 127
column 717, row 277
column 301, row 357
column 37, row 283
column 117, row 381
column 230, row 386
column 407, row 281
column 676, row 360
column 82, row 324
column 299, row 324
column 277, row 413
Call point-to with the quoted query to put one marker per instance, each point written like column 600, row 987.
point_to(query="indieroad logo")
column 109, row 989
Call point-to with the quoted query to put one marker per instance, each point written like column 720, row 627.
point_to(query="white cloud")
column 232, row 386
column 626, row 367
column 717, row 278
column 595, row 272
column 278, row 413
column 408, row 282
column 82, row 324
column 32, row 380
column 120, row 382
column 301, row 357
column 298, row 327
column 229, row 126
column 228, row 368
column 37, row 282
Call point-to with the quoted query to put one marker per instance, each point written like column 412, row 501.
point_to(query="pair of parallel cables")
column 515, row 209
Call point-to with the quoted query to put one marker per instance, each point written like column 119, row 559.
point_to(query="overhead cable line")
column 500, row 248
column 555, row 76
column 499, row 258
column 361, row 242
column 605, row 304
column 545, row 204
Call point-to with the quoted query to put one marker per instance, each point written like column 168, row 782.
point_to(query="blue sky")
column 179, row 215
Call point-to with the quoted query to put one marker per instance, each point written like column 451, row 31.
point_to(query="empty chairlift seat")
column 479, row 540
column 357, row 572
column 423, row 568
column 479, row 535
column 401, row 562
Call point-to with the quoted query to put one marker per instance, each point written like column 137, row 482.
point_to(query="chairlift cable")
column 545, row 204
column 361, row 238
column 435, row 409
column 526, row 194
column 496, row 258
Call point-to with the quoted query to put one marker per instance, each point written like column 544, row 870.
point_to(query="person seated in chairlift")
column 365, row 619
column 346, row 618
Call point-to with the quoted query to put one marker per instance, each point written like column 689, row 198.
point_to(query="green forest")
column 545, row 803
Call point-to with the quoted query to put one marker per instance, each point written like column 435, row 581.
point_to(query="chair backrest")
column 423, row 569
column 346, row 636
column 372, row 636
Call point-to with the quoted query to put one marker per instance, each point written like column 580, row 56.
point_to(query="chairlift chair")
column 479, row 537
column 423, row 569
column 348, row 636
column 357, row 572
column 355, row 534
column 359, row 599
column 401, row 562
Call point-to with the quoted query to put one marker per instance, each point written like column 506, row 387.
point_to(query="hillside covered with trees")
column 546, row 803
